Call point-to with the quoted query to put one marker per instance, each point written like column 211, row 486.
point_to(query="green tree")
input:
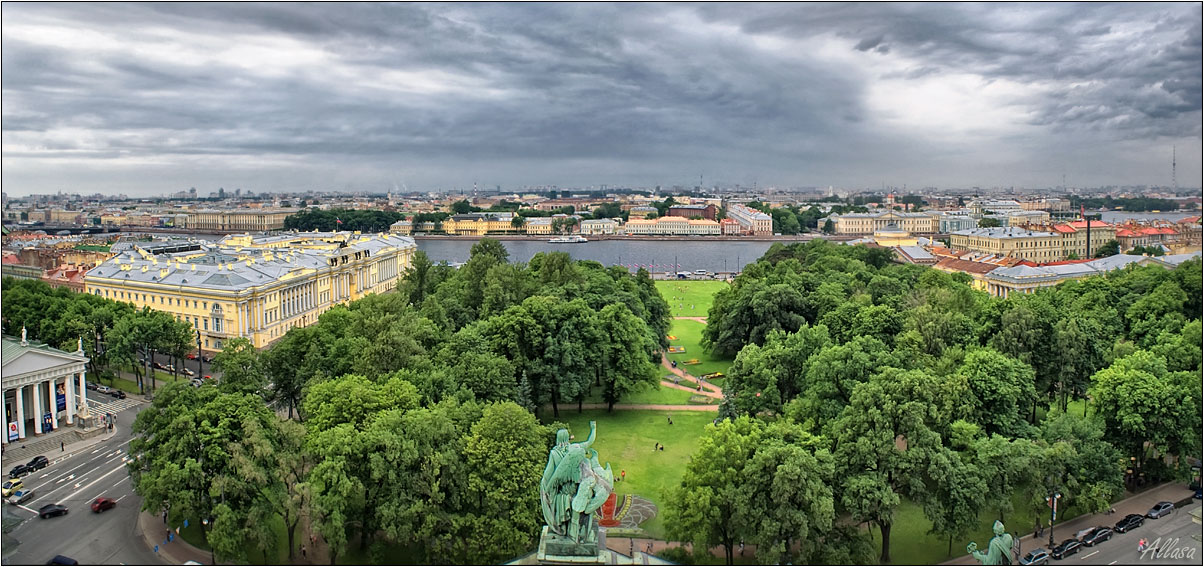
column 955, row 493
column 1141, row 402
column 622, row 354
column 1000, row 392
column 786, row 498
column 241, row 369
column 829, row 228
column 702, row 509
column 504, row 454
column 1109, row 248
column 988, row 223
column 885, row 440
column 462, row 207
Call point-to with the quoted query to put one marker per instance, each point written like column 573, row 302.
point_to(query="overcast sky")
column 153, row 98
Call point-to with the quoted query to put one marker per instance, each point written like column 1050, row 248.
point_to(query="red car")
column 101, row 504
column 192, row 356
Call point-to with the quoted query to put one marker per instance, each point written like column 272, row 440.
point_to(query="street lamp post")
column 200, row 357
column 1053, row 514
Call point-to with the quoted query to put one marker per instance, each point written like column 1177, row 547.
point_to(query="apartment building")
column 751, row 220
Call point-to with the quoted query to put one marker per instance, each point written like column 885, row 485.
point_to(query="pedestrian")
column 662, row 448
column 303, row 551
column 623, row 475
column 741, row 548
column 313, row 540
column 62, row 446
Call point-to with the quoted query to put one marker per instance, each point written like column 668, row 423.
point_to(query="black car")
column 1035, row 557
column 1129, row 522
column 62, row 560
column 1097, row 535
column 90, row 386
column 19, row 471
column 38, row 463
column 1066, row 549
column 52, row 510
column 119, row 394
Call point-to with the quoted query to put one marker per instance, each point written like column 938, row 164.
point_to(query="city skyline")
column 146, row 99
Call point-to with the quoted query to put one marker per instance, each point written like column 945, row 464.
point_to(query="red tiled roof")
column 1125, row 232
column 1065, row 262
column 1094, row 224
column 10, row 258
column 1190, row 220
column 968, row 266
column 1063, row 228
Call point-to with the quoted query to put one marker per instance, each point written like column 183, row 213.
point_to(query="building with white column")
column 43, row 388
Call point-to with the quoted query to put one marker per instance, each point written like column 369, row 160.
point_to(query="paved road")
column 1176, row 532
column 75, row 481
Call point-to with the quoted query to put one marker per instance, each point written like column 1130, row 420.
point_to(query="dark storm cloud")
column 570, row 93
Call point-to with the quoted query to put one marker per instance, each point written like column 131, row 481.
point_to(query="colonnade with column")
column 34, row 397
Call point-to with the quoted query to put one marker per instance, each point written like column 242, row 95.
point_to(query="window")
column 206, row 324
column 217, row 344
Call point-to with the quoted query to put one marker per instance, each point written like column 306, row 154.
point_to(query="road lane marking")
column 96, row 451
column 119, row 499
column 1083, row 558
column 119, row 482
column 23, row 507
column 72, row 477
column 1114, row 562
column 76, row 493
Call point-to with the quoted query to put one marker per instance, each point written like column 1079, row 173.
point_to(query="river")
column 657, row 255
column 1122, row 216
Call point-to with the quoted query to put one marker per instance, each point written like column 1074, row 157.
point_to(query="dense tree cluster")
column 112, row 333
column 415, row 408
column 351, row 219
column 913, row 385
column 1135, row 204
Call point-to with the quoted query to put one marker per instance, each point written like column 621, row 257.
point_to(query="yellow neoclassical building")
column 242, row 219
column 256, row 287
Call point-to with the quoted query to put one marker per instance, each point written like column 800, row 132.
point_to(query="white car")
column 103, row 389
column 189, row 372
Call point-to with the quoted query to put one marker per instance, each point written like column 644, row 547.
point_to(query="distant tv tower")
column 1174, row 179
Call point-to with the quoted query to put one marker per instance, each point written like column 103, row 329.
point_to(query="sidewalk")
column 56, row 445
column 1138, row 504
column 177, row 551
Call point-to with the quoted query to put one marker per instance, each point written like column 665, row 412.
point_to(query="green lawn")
column 626, row 439
column 684, row 294
column 648, row 395
column 689, row 335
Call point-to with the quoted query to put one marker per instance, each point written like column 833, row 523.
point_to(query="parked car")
column 1160, row 509
column 19, row 471
column 119, row 394
column 1102, row 533
column 11, row 486
column 101, row 389
column 38, row 463
column 101, row 504
column 207, row 377
column 192, row 356
column 52, row 510
column 1129, row 522
column 90, row 386
column 1066, row 549
column 20, row 497
column 188, row 372
column 1036, row 557
column 158, row 365
column 196, row 382
column 62, row 560
column 169, row 367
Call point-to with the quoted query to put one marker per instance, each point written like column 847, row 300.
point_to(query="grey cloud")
column 633, row 87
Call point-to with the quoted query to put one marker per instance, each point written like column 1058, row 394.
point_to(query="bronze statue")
column 999, row 551
column 573, row 487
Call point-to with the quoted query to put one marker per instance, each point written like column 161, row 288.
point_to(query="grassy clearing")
column 689, row 298
column 689, row 335
column 648, row 395
column 626, row 439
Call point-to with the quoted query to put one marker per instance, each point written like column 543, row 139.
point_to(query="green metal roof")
column 12, row 348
